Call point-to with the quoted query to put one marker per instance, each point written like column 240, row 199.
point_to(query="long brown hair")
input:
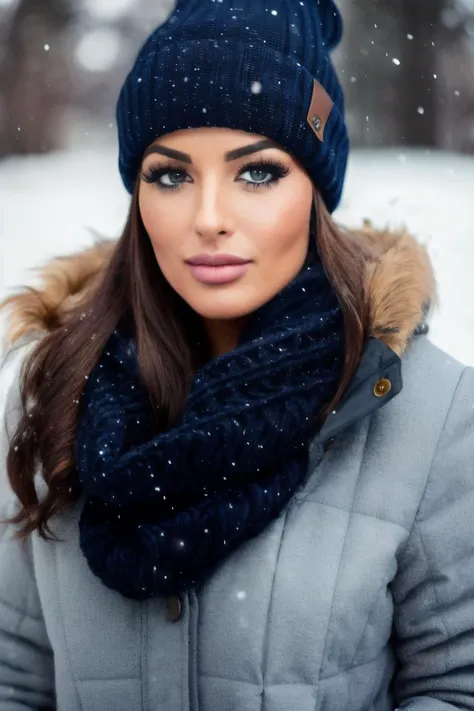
column 171, row 345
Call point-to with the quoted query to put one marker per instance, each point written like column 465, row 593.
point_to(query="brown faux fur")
column 399, row 286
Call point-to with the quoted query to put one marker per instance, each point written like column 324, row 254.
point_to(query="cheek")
column 166, row 228
column 284, row 226
column 163, row 224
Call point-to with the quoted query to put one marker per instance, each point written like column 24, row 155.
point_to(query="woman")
column 224, row 497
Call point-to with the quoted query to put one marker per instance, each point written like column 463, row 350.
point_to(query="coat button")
column 173, row 608
column 382, row 387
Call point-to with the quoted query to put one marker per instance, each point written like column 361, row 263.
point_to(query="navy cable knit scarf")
column 163, row 509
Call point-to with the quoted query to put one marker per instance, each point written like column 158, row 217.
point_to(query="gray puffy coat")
column 359, row 597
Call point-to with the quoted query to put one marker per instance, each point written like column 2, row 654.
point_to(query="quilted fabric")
column 359, row 596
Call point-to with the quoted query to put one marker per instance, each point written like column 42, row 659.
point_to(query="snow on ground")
column 50, row 204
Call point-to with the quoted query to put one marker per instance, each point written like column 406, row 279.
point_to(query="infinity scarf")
column 162, row 509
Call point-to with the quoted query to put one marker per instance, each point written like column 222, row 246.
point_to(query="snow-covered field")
column 49, row 204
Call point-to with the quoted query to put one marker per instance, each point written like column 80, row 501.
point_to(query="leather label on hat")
column 319, row 110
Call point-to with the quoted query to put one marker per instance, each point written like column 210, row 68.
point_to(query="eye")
column 172, row 178
column 263, row 173
column 166, row 177
column 258, row 175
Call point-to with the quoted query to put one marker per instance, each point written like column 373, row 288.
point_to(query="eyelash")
column 274, row 167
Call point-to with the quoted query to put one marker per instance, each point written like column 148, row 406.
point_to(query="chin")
column 217, row 306
column 219, row 312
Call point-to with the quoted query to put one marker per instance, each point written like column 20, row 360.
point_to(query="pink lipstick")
column 218, row 268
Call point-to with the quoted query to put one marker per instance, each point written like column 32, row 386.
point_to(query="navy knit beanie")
column 260, row 66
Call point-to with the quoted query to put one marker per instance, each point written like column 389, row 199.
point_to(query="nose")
column 212, row 218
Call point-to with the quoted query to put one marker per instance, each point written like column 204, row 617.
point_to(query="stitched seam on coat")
column 370, row 616
column 107, row 678
column 184, row 646
column 22, row 613
column 253, row 683
column 428, row 479
column 435, row 454
column 144, row 655
column 194, row 701
column 63, row 625
column 341, row 559
column 349, row 669
column 269, row 607
column 353, row 511
column 415, row 522
column 292, row 683
column 27, row 551
column 433, row 590
column 438, row 443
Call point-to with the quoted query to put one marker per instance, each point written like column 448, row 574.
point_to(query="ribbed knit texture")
column 240, row 64
column 162, row 509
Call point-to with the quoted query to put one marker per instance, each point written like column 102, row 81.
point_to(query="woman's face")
column 227, row 213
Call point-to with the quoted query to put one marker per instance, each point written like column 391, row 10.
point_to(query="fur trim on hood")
column 399, row 287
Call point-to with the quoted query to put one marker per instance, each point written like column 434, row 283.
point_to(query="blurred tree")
column 34, row 74
column 417, row 80
column 390, row 54
column 393, row 65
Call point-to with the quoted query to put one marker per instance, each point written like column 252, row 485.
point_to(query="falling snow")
column 415, row 188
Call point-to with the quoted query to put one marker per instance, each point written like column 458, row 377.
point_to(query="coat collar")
column 377, row 380
column 400, row 290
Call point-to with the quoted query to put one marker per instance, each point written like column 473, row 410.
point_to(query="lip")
column 216, row 260
column 224, row 274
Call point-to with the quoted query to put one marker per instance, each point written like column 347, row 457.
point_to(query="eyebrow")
column 229, row 156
